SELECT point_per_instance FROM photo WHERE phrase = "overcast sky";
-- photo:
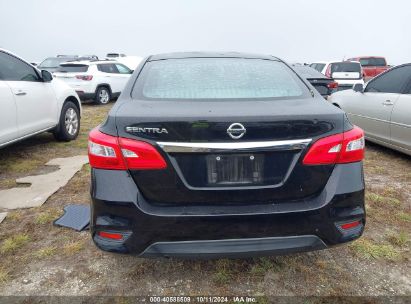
(295, 30)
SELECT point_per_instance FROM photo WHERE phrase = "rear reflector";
(110, 235)
(117, 153)
(347, 147)
(351, 225)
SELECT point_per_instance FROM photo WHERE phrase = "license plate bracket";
(232, 169)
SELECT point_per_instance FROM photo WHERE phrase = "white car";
(33, 102)
(382, 109)
(99, 80)
(345, 73)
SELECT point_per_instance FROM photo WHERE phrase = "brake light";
(117, 153)
(328, 71)
(85, 77)
(347, 147)
(333, 85)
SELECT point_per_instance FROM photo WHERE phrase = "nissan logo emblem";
(236, 130)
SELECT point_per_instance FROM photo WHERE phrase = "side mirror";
(358, 87)
(131, 71)
(46, 76)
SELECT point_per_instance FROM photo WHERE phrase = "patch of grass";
(47, 216)
(262, 266)
(13, 243)
(45, 252)
(398, 239)
(369, 249)
(382, 200)
(4, 275)
(14, 216)
(7, 183)
(19, 164)
(222, 275)
(73, 247)
(403, 216)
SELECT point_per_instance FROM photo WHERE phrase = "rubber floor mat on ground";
(76, 217)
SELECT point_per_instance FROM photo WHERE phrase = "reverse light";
(347, 147)
(85, 77)
(117, 153)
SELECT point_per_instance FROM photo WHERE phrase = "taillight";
(328, 71)
(333, 85)
(117, 153)
(347, 147)
(85, 77)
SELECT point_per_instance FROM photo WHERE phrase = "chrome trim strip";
(189, 147)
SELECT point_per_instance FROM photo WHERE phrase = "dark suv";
(224, 155)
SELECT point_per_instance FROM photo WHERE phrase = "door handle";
(20, 93)
(388, 103)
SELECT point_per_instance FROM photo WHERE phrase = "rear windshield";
(217, 78)
(345, 67)
(54, 62)
(68, 68)
(373, 62)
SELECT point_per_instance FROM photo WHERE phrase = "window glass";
(107, 68)
(347, 67)
(13, 69)
(54, 62)
(122, 69)
(392, 81)
(320, 67)
(217, 78)
(373, 62)
(73, 68)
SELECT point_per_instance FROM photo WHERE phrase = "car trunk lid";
(207, 165)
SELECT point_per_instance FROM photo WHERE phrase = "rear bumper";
(225, 231)
(85, 96)
(235, 248)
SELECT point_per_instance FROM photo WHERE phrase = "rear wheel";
(69, 124)
(103, 96)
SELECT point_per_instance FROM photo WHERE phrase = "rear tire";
(69, 124)
(103, 96)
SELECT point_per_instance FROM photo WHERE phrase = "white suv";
(345, 73)
(33, 102)
(97, 80)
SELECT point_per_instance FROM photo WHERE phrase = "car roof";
(89, 62)
(362, 57)
(182, 55)
(334, 61)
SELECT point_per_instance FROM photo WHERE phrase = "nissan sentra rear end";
(224, 155)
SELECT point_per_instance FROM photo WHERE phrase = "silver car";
(382, 108)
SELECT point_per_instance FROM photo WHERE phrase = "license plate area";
(235, 169)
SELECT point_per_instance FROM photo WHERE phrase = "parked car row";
(345, 73)
(351, 71)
